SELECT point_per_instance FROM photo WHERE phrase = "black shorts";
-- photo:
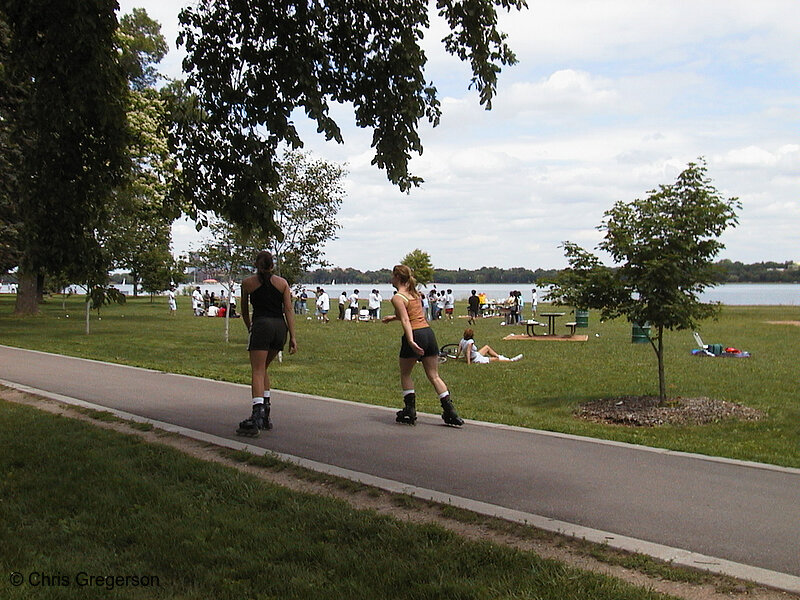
(425, 339)
(268, 333)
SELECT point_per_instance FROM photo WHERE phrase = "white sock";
(444, 394)
(258, 401)
(517, 357)
(407, 392)
(266, 397)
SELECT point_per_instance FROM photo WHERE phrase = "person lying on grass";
(467, 348)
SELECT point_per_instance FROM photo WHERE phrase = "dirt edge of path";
(575, 553)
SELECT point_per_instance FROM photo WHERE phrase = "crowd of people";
(436, 304)
(351, 306)
(208, 304)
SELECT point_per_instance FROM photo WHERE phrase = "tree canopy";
(252, 63)
(143, 46)
(663, 248)
(420, 264)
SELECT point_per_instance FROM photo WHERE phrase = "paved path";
(736, 515)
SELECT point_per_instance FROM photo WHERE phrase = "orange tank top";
(416, 314)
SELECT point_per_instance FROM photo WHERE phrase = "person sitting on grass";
(466, 348)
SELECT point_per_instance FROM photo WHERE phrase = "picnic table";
(551, 321)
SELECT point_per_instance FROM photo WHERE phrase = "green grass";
(78, 499)
(358, 361)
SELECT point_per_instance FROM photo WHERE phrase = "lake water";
(761, 294)
(731, 293)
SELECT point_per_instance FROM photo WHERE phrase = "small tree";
(99, 295)
(158, 270)
(420, 263)
(229, 254)
(664, 246)
(308, 197)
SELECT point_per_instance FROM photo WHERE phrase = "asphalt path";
(745, 513)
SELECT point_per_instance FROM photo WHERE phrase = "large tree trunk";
(27, 294)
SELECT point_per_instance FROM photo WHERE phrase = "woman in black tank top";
(272, 321)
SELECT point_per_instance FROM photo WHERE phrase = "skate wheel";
(252, 434)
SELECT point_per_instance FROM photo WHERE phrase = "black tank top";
(267, 301)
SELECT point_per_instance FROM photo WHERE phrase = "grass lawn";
(81, 504)
(358, 361)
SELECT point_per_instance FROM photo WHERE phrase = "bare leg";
(431, 366)
(406, 366)
(488, 351)
(259, 378)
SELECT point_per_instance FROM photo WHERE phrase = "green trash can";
(640, 334)
(582, 318)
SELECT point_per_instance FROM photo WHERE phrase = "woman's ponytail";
(264, 266)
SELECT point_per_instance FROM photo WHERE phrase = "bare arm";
(401, 314)
(246, 304)
(288, 313)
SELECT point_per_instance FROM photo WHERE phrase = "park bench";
(572, 327)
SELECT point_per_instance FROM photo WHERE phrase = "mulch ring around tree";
(644, 411)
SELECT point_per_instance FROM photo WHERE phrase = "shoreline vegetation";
(728, 272)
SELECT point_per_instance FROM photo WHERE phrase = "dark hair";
(469, 334)
(473, 292)
(264, 265)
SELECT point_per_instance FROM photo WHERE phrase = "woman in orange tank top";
(418, 344)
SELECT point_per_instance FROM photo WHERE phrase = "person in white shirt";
(534, 301)
(173, 306)
(232, 303)
(482, 356)
(323, 305)
(374, 305)
(342, 304)
(354, 305)
(197, 302)
(449, 304)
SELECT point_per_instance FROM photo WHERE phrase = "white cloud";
(565, 91)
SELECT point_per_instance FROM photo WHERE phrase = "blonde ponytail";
(405, 275)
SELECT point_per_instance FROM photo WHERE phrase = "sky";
(609, 100)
